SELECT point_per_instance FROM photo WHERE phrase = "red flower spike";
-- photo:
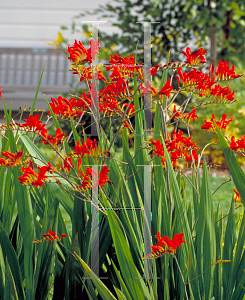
(178, 146)
(125, 67)
(223, 72)
(192, 115)
(155, 69)
(195, 58)
(30, 177)
(170, 245)
(14, 159)
(33, 123)
(97, 180)
(237, 144)
(90, 147)
(103, 178)
(51, 236)
(222, 124)
(222, 94)
(59, 136)
(67, 164)
(80, 55)
(166, 90)
(0, 92)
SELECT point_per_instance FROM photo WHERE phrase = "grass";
(221, 198)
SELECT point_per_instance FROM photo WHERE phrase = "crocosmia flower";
(237, 196)
(51, 236)
(80, 55)
(165, 245)
(195, 57)
(222, 124)
(166, 90)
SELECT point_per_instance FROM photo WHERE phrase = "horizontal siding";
(32, 16)
(23, 67)
(75, 5)
(33, 23)
(20, 71)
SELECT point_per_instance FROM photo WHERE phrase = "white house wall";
(29, 24)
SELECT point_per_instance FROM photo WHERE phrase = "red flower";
(224, 93)
(50, 236)
(3, 162)
(223, 72)
(209, 125)
(166, 90)
(127, 126)
(155, 69)
(159, 151)
(33, 123)
(30, 177)
(80, 55)
(131, 108)
(67, 164)
(125, 66)
(86, 183)
(88, 148)
(86, 73)
(72, 107)
(103, 178)
(176, 113)
(54, 141)
(176, 241)
(237, 196)
(0, 92)
(195, 57)
(14, 159)
(83, 149)
(178, 146)
(237, 144)
(192, 115)
(170, 245)
(96, 180)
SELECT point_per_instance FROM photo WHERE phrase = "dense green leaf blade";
(8, 251)
(102, 289)
(234, 167)
(63, 196)
(206, 243)
(10, 289)
(131, 276)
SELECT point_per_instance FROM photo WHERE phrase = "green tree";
(218, 25)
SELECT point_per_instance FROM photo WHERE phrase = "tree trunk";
(213, 46)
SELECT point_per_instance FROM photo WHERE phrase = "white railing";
(20, 70)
